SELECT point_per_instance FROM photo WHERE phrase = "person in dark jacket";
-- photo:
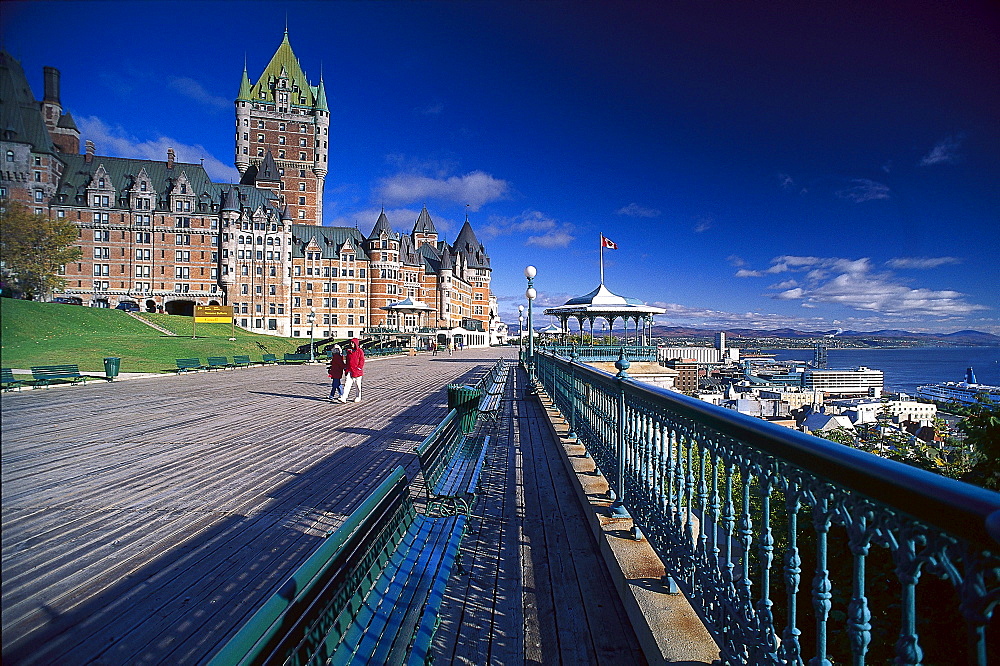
(336, 372)
(355, 369)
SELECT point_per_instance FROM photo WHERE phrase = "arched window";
(10, 155)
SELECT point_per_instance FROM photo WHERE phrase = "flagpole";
(602, 259)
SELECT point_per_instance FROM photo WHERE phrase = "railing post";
(573, 356)
(618, 505)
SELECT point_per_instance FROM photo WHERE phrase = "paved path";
(144, 520)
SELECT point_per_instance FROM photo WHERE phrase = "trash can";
(465, 399)
(111, 365)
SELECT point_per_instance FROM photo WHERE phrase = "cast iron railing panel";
(793, 549)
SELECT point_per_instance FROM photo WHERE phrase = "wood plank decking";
(144, 520)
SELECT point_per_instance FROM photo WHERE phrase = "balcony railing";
(604, 352)
(793, 549)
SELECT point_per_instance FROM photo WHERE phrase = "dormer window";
(142, 186)
(184, 189)
(100, 183)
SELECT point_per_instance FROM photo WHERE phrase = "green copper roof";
(246, 94)
(329, 239)
(20, 119)
(283, 64)
(321, 97)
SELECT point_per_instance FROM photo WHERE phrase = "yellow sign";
(213, 314)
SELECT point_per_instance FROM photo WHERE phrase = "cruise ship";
(962, 392)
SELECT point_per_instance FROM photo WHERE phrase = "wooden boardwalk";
(144, 520)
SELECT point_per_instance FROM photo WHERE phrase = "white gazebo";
(601, 304)
(413, 313)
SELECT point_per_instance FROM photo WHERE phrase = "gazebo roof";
(601, 302)
(407, 305)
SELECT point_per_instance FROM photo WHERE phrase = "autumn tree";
(33, 250)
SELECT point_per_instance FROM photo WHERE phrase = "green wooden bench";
(8, 381)
(493, 386)
(218, 363)
(370, 594)
(296, 358)
(268, 359)
(186, 364)
(44, 375)
(242, 361)
(451, 463)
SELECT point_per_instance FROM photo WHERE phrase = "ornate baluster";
(765, 618)
(728, 521)
(745, 533)
(689, 493)
(908, 650)
(821, 589)
(678, 479)
(791, 651)
(702, 549)
(858, 616)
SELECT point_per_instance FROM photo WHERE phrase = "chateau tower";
(282, 114)
(385, 270)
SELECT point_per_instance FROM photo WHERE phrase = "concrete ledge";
(668, 629)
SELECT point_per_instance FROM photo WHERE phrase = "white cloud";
(117, 142)
(194, 90)
(944, 151)
(635, 210)
(746, 272)
(864, 189)
(855, 284)
(536, 227)
(475, 189)
(703, 223)
(921, 262)
(785, 181)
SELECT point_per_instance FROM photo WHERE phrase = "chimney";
(170, 158)
(90, 152)
(51, 78)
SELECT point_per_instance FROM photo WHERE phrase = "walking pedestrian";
(336, 372)
(355, 368)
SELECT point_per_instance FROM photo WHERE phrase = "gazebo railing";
(792, 548)
(646, 353)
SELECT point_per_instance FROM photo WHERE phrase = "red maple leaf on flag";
(608, 243)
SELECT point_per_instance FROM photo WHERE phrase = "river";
(906, 369)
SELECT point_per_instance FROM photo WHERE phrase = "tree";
(982, 432)
(33, 250)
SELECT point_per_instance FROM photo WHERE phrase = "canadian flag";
(608, 243)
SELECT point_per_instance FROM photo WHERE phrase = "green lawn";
(51, 333)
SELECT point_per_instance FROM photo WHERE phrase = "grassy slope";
(51, 333)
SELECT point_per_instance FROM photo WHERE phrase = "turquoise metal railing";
(605, 352)
(793, 549)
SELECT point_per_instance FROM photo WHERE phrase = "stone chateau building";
(162, 234)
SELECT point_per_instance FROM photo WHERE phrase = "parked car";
(67, 301)
(127, 306)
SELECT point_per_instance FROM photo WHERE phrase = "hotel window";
(260, 138)
(102, 253)
(302, 201)
(281, 140)
(102, 269)
(302, 155)
(38, 196)
(102, 235)
(302, 187)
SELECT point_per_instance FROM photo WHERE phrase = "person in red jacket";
(336, 372)
(355, 366)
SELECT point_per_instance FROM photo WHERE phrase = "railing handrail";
(958, 508)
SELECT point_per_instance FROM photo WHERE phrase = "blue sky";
(815, 165)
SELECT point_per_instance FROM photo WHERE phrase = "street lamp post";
(311, 317)
(530, 294)
(520, 331)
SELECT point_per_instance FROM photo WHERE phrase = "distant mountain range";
(977, 338)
